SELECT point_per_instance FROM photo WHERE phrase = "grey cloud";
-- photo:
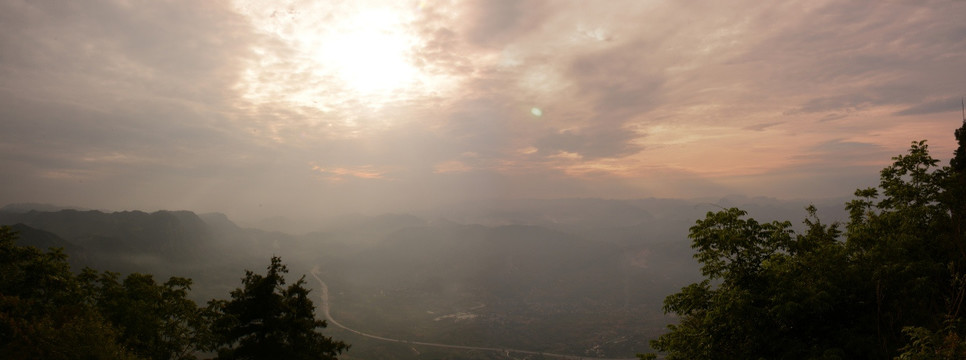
(482, 126)
(831, 167)
(833, 117)
(909, 95)
(845, 153)
(130, 92)
(896, 93)
(592, 143)
(493, 23)
(51, 137)
(762, 126)
(145, 98)
(624, 86)
(170, 49)
(839, 145)
(835, 166)
(440, 54)
(931, 107)
(619, 83)
(860, 54)
(623, 80)
(847, 103)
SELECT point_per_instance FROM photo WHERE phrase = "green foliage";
(767, 291)
(925, 344)
(47, 312)
(42, 311)
(875, 294)
(958, 163)
(955, 196)
(949, 341)
(155, 321)
(265, 320)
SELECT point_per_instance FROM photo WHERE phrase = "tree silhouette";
(43, 310)
(265, 320)
(891, 285)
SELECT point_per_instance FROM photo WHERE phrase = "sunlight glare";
(338, 58)
(368, 52)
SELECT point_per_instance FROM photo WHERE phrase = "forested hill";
(518, 281)
(172, 235)
(208, 248)
(577, 276)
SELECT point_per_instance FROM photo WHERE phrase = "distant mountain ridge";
(171, 234)
(558, 275)
(26, 207)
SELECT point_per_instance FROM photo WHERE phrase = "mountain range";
(579, 276)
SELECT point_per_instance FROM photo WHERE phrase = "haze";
(267, 108)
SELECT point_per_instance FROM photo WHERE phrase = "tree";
(265, 320)
(948, 341)
(894, 285)
(43, 313)
(956, 193)
(47, 312)
(764, 297)
(155, 321)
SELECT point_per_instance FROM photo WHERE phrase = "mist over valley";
(584, 277)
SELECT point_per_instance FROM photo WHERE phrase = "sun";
(368, 52)
(327, 54)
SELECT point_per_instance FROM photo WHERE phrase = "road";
(505, 351)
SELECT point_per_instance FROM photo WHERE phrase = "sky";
(264, 108)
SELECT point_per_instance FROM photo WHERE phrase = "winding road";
(505, 351)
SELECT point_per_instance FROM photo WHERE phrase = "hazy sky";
(256, 108)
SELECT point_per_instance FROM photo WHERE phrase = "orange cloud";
(453, 166)
(340, 174)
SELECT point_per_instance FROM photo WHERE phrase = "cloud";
(599, 142)
(932, 107)
(339, 174)
(842, 103)
(859, 55)
(857, 152)
(107, 47)
(494, 23)
(762, 126)
(452, 166)
(201, 102)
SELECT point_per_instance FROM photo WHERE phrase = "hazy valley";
(584, 277)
